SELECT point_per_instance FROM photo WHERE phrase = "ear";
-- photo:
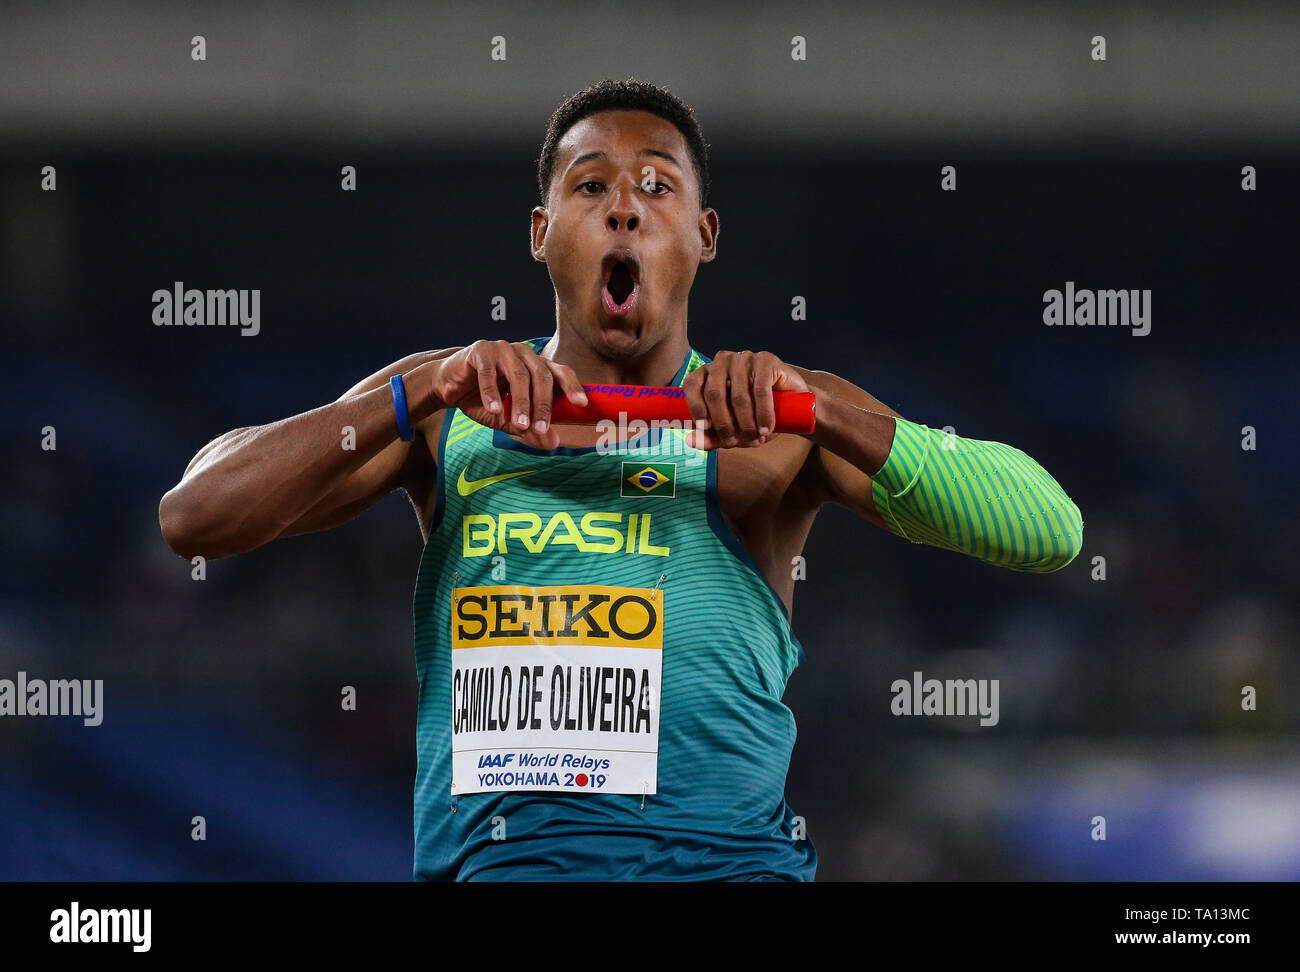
(708, 235)
(541, 220)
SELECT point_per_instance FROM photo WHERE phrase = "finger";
(569, 383)
(520, 380)
(543, 384)
(703, 439)
(765, 375)
(485, 366)
(547, 440)
(720, 418)
(693, 388)
(740, 374)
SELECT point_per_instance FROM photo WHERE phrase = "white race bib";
(556, 688)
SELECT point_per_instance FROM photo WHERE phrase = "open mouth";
(621, 273)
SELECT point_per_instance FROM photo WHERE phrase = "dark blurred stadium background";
(1119, 697)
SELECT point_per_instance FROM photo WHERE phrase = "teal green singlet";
(601, 667)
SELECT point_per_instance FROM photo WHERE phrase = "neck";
(655, 365)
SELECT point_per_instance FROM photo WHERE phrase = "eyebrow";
(593, 156)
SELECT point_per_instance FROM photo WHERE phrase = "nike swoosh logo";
(465, 486)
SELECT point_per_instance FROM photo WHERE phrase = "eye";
(591, 182)
(661, 186)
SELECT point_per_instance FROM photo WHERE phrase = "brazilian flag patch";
(649, 479)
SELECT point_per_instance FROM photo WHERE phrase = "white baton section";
(560, 711)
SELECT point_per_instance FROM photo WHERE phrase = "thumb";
(787, 379)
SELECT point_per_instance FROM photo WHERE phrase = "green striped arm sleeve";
(984, 499)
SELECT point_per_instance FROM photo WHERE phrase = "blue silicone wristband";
(404, 430)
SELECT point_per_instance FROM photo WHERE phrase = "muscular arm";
(984, 499)
(252, 485)
(854, 432)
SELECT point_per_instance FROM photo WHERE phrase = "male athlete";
(602, 636)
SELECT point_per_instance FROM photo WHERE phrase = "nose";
(623, 212)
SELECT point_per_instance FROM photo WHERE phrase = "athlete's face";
(622, 233)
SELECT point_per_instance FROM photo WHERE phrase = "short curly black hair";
(627, 95)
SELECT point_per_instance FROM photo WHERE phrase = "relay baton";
(795, 410)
